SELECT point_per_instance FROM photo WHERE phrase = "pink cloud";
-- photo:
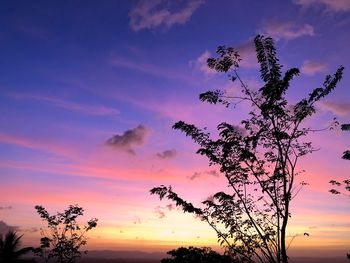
(333, 5)
(149, 14)
(176, 108)
(39, 144)
(31, 194)
(312, 67)
(248, 55)
(246, 51)
(286, 30)
(159, 211)
(341, 108)
(98, 170)
(201, 65)
(98, 110)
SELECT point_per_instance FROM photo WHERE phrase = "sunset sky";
(91, 89)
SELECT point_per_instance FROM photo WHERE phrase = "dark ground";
(295, 260)
(109, 256)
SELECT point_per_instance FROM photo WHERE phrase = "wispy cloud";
(34, 31)
(86, 169)
(150, 14)
(310, 67)
(341, 108)
(200, 174)
(167, 154)
(96, 110)
(332, 5)
(29, 230)
(286, 30)
(6, 207)
(151, 69)
(129, 139)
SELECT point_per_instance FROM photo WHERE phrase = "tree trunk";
(283, 234)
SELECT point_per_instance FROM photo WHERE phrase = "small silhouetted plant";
(258, 157)
(10, 250)
(64, 237)
(196, 255)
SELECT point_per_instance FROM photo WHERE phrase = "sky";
(90, 91)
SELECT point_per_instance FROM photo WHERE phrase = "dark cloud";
(168, 154)
(130, 138)
(337, 107)
(4, 228)
(5, 207)
(200, 174)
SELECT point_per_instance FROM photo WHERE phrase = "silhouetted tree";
(10, 250)
(196, 255)
(258, 158)
(64, 237)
